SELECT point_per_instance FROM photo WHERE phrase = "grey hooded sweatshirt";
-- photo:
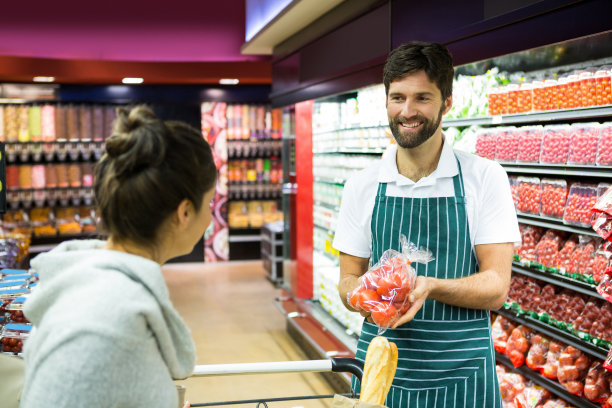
(106, 333)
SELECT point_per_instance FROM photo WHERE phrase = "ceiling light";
(43, 79)
(229, 81)
(132, 80)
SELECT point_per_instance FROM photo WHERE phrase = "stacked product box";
(15, 286)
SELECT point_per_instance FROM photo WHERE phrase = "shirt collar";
(447, 167)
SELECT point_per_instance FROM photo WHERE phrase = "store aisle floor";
(229, 308)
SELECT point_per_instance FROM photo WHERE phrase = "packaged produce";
(518, 345)
(598, 382)
(604, 150)
(485, 143)
(588, 89)
(581, 260)
(552, 359)
(555, 144)
(500, 332)
(510, 384)
(529, 195)
(512, 98)
(601, 263)
(506, 145)
(605, 286)
(551, 95)
(533, 396)
(547, 249)
(15, 310)
(498, 100)
(383, 290)
(581, 198)
(584, 322)
(602, 327)
(513, 180)
(603, 94)
(584, 140)
(530, 236)
(13, 336)
(536, 358)
(562, 262)
(573, 90)
(573, 368)
(525, 98)
(529, 144)
(554, 196)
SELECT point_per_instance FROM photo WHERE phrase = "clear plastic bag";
(581, 198)
(383, 290)
(554, 197)
(584, 140)
(529, 195)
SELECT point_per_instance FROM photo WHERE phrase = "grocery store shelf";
(327, 132)
(328, 206)
(352, 150)
(558, 169)
(547, 222)
(553, 386)
(323, 228)
(558, 280)
(564, 114)
(330, 180)
(557, 334)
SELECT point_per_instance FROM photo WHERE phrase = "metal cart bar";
(337, 365)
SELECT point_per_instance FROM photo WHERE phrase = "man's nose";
(408, 109)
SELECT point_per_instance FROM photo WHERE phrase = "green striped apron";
(446, 356)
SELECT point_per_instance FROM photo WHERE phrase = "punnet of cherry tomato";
(384, 289)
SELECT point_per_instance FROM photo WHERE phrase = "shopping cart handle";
(347, 365)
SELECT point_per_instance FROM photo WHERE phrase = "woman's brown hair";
(149, 168)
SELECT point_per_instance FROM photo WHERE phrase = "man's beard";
(412, 140)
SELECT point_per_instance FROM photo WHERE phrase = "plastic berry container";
(506, 145)
(554, 197)
(603, 92)
(15, 310)
(555, 144)
(538, 96)
(529, 144)
(581, 198)
(529, 195)
(525, 98)
(584, 140)
(514, 189)
(485, 143)
(588, 89)
(13, 336)
(512, 98)
(551, 95)
(604, 150)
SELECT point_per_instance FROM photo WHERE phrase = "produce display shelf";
(557, 334)
(327, 205)
(547, 222)
(564, 114)
(559, 170)
(327, 132)
(329, 257)
(352, 150)
(324, 228)
(553, 386)
(558, 280)
(339, 181)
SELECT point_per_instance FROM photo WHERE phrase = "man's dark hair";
(433, 58)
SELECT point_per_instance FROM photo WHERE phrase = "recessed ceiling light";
(229, 81)
(43, 79)
(132, 80)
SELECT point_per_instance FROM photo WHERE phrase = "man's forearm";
(347, 284)
(482, 290)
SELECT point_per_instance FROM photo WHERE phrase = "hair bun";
(137, 141)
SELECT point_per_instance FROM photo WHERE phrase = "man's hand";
(417, 297)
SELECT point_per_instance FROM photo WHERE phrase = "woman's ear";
(184, 212)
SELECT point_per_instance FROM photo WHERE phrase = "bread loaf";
(378, 371)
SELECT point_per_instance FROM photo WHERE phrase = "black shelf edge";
(552, 386)
(558, 170)
(558, 280)
(553, 223)
(557, 334)
(565, 114)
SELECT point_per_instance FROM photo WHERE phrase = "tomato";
(368, 299)
(384, 314)
(354, 298)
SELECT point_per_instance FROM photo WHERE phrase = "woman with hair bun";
(106, 333)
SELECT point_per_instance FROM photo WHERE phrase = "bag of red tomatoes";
(384, 289)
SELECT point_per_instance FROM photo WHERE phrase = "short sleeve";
(351, 236)
(497, 222)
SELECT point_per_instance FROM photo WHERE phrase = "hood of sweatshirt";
(77, 268)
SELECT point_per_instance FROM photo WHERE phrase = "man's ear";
(448, 104)
(183, 213)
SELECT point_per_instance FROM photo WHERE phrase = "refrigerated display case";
(289, 196)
